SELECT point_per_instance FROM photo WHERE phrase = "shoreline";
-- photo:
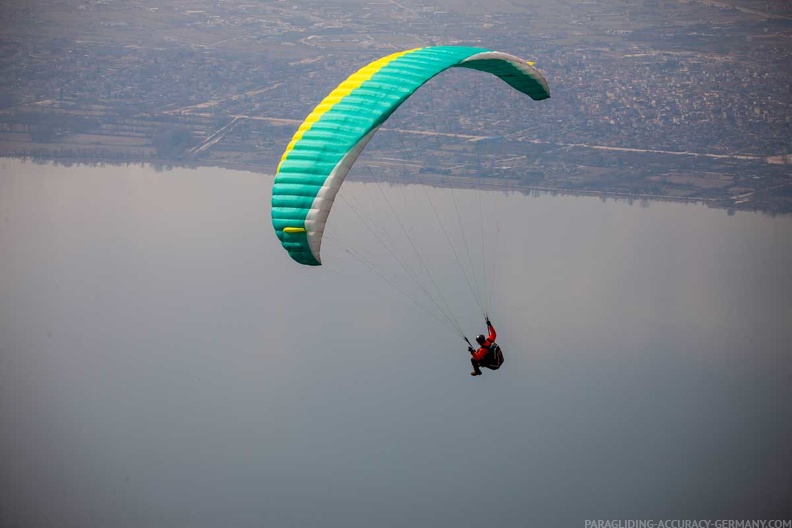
(436, 181)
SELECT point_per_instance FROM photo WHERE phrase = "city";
(650, 99)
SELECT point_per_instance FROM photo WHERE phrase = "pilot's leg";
(476, 369)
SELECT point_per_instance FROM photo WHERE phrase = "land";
(651, 99)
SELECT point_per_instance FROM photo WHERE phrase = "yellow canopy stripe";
(342, 90)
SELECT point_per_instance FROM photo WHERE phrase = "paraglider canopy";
(328, 142)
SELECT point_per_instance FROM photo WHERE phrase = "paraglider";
(327, 143)
(489, 353)
(330, 139)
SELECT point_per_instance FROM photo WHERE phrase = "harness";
(495, 356)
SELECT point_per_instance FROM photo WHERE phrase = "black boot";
(476, 370)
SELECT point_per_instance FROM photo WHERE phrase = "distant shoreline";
(444, 181)
(524, 166)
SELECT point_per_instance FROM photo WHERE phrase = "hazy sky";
(163, 363)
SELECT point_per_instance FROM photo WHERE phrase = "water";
(163, 362)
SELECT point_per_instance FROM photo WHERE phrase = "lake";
(164, 363)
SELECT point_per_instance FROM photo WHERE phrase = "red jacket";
(479, 354)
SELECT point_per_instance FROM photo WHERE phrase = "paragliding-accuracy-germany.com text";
(677, 523)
